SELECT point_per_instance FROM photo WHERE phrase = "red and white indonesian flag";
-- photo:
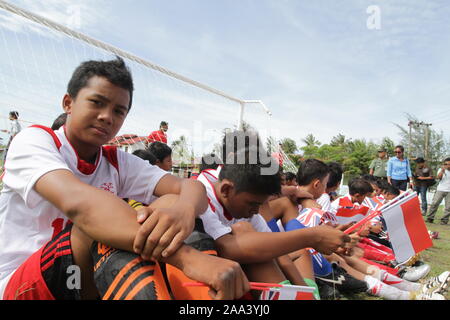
(407, 231)
(288, 292)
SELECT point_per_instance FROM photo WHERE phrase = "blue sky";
(315, 64)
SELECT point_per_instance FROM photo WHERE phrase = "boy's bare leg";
(304, 264)
(350, 270)
(81, 251)
(264, 272)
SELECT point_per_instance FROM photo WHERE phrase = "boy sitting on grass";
(61, 207)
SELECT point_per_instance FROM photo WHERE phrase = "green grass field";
(438, 256)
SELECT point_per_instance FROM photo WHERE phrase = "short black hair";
(359, 185)
(370, 178)
(392, 190)
(160, 150)
(210, 161)
(247, 177)
(383, 184)
(145, 155)
(289, 176)
(115, 71)
(311, 169)
(335, 174)
(419, 160)
(446, 159)
(163, 123)
(59, 121)
(14, 114)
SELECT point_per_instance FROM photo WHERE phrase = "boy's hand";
(162, 231)
(225, 278)
(329, 239)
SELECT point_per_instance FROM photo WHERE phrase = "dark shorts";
(48, 274)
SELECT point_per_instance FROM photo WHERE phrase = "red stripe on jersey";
(110, 152)
(51, 132)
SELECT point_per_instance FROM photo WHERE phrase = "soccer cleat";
(344, 282)
(437, 284)
(327, 291)
(414, 274)
(429, 296)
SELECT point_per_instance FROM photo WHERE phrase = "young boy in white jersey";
(61, 207)
(236, 192)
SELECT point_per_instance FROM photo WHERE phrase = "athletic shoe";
(433, 234)
(414, 274)
(327, 291)
(344, 282)
(437, 284)
(429, 296)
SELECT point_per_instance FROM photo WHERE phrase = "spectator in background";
(159, 135)
(442, 191)
(59, 121)
(14, 129)
(163, 154)
(378, 166)
(145, 154)
(422, 178)
(399, 170)
(291, 179)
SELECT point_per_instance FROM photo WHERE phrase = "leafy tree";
(289, 146)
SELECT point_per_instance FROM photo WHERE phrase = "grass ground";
(438, 256)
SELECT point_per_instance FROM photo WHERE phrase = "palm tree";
(311, 141)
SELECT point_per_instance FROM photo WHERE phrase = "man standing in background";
(159, 135)
(14, 129)
(378, 166)
(422, 178)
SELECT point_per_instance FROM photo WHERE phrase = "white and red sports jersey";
(346, 211)
(27, 220)
(217, 221)
(328, 215)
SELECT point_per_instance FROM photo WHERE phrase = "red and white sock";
(380, 289)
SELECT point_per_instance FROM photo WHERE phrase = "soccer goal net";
(38, 56)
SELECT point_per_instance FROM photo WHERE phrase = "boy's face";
(292, 182)
(242, 204)
(97, 113)
(376, 190)
(389, 196)
(359, 197)
(166, 164)
(318, 187)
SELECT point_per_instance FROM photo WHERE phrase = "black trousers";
(400, 184)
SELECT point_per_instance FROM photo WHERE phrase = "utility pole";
(410, 123)
(427, 137)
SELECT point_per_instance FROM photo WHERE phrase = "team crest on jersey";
(108, 186)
